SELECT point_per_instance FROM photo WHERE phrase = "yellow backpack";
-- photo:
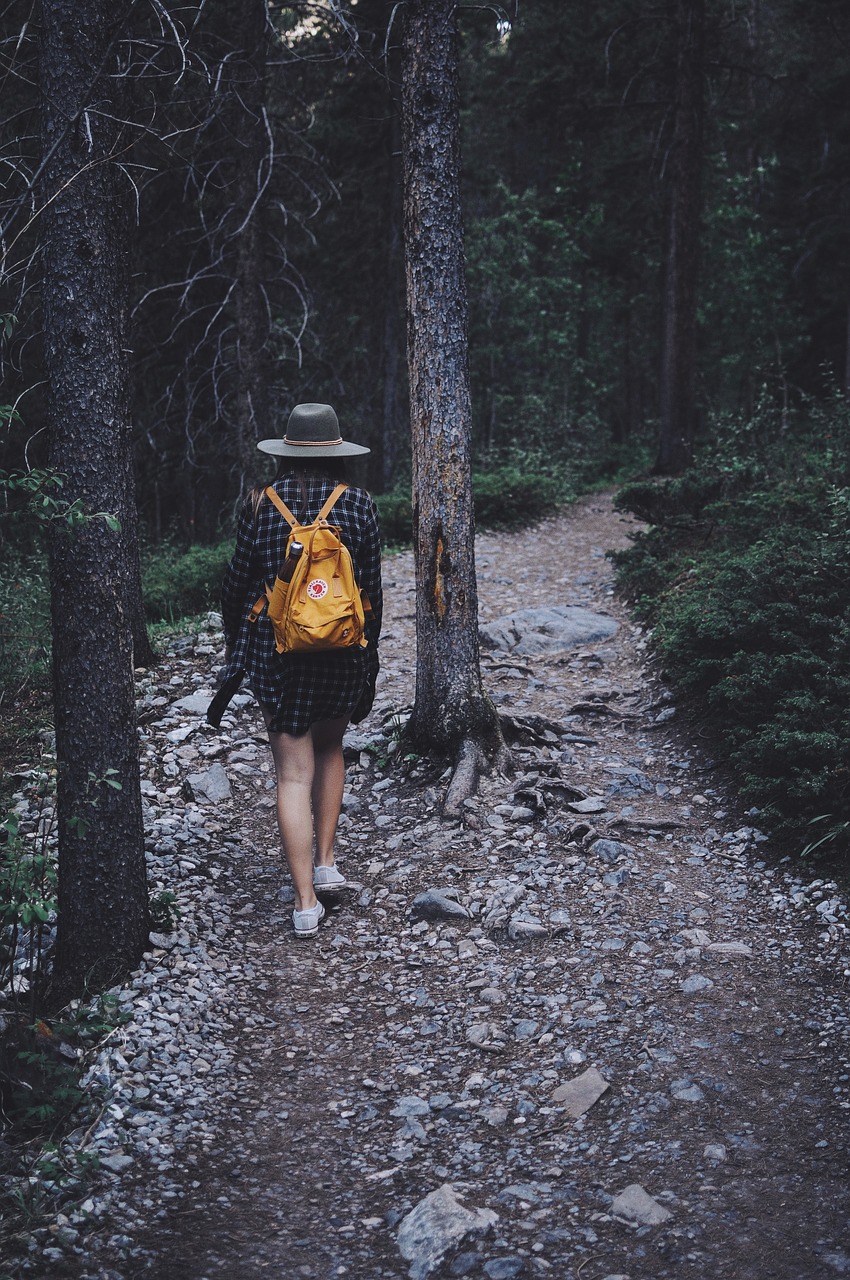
(315, 602)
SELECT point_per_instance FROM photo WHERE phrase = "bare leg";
(294, 768)
(328, 784)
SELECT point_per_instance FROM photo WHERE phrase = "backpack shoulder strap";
(326, 509)
(273, 497)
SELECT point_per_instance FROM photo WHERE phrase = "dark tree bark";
(250, 142)
(451, 714)
(393, 329)
(103, 914)
(684, 178)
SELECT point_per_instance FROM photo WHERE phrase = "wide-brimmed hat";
(312, 432)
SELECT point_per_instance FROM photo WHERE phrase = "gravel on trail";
(593, 1031)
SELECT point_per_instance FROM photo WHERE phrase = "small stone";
(519, 929)
(195, 704)
(593, 804)
(686, 1091)
(211, 787)
(503, 1268)
(636, 1206)
(715, 1151)
(435, 904)
(695, 983)
(411, 1106)
(582, 1092)
(729, 949)
(486, 1035)
(117, 1163)
(436, 1224)
(610, 851)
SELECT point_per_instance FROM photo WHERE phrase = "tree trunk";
(103, 914)
(249, 139)
(393, 330)
(679, 317)
(451, 714)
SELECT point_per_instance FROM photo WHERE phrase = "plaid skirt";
(306, 687)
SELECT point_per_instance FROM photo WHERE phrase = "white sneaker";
(307, 922)
(328, 878)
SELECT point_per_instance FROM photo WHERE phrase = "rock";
(486, 1035)
(519, 929)
(695, 983)
(411, 1106)
(162, 941)
(209, 787)
(435, 904)
(696, 937)
(582, 1092)
(715, 1151)
(610, 851)
(637, 1207)
(547, 630)
(117, 1163)
(434, 1226)
(593, 804)
(686, 1091)
(729, 949)
(195, 704)
(503, 1268)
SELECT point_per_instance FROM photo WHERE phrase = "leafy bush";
(512, 493)
(24, 623)
(179, 583)
(743, 573)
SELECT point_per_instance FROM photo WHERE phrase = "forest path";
(388, 1057)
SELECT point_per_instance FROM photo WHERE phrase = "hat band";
(312, 444)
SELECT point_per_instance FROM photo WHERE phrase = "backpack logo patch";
(317, 589)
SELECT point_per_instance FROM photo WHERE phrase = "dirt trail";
(390, 1056)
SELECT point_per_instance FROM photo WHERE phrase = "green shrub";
(507, 496)
(179, 583)
(395, 515)
(24, 623)
(743, 574)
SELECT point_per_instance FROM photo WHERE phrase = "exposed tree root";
(471, 761)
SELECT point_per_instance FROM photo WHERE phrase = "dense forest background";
(658, 267)
(267, 253)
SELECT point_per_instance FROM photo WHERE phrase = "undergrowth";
(742, 573)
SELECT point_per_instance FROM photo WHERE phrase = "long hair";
(334, 470)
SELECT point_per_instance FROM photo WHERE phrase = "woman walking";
(307, 698)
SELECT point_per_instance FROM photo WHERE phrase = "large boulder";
(534, 631)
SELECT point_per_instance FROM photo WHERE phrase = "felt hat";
(312, 432)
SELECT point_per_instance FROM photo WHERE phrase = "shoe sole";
(329, 888)
(308, 933)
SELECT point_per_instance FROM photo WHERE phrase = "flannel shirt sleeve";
(240, 576)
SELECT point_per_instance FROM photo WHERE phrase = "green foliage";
(164, 911)
(177, 583)
(28, 886)
(24, 623)
(395, 516)
(743, 573)
(519, 492)
(517, 489)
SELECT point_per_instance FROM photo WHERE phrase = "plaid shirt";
(304, 687)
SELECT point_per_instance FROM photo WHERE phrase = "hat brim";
(344, 450)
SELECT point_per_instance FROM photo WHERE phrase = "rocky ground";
(593, 1031)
